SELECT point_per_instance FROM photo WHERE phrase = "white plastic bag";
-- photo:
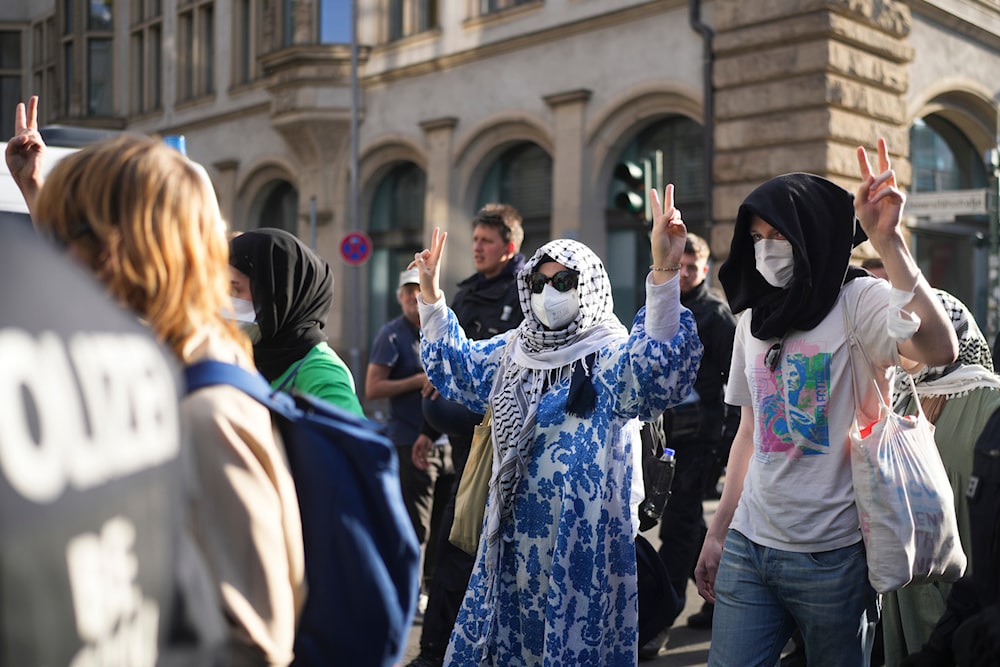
(905, 502)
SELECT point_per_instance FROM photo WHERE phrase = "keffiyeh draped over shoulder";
(539, 357)
(971, 370)
(817, 217)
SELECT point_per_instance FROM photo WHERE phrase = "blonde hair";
(140, 215)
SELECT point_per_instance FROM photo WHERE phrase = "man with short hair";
(699, 430)
(486, 304)
(395, 372)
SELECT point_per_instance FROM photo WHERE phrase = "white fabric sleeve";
(901, 324)
(433, 318)
(663, 308)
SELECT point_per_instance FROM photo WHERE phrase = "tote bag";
(470, 499)
(904, 498)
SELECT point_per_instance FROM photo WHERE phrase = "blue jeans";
(763, 594)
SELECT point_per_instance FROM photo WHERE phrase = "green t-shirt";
(323, 374)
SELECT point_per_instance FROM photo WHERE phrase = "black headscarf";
(292, 293)
(817, 216)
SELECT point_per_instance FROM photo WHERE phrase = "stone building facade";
(533, 102)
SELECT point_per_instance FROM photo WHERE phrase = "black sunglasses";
(563, 281)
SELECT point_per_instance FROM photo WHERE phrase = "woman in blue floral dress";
(555, 575)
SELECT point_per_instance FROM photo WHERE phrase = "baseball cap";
(409, 277)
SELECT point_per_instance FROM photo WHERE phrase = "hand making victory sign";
(428, 262)
(879, 202)
(878, 205)
(667, 237)
(26, 151)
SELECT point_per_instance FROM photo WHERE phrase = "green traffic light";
(634, 177)
(629, 201)
(629, 173)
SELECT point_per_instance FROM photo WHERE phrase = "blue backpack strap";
(209, 372)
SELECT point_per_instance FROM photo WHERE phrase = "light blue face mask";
(775, 261)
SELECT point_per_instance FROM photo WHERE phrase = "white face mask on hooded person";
(775, 261)
(245, 314)
(555, 309)
(243, 310)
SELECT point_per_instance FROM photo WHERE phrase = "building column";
(440, 209)
(568, 109)
(225, 187)
(800, 84)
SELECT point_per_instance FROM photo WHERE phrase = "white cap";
(409, 277)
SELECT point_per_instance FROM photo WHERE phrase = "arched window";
(276, 205)
(679, 140)
(943, 158)
(396, 228)
(522, 177)
(950, 246)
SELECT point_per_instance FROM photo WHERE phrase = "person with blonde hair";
(140, 216)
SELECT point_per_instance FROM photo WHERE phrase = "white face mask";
(775, 261)
(243, 311)
(555, 309)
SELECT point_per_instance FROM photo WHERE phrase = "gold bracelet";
(654, 267)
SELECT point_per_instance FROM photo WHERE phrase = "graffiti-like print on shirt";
(793, 415)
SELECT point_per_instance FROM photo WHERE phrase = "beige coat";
(246, 514)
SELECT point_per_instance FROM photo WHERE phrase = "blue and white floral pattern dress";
(558, 588)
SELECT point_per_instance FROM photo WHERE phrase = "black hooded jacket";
(817, 217)
(292, 290)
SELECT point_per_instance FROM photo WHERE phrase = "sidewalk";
(686, 648)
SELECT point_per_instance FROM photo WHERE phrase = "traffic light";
(635, 176)
(638, 178)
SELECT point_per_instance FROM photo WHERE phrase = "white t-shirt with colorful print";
(798, 495)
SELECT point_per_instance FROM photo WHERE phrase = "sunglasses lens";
(564, 281)
(536, 282)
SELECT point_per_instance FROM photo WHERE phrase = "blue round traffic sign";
(356, 248)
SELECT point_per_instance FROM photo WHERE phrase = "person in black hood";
(486, 304)
(283, 293)
(793, 549)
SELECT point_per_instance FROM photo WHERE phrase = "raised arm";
(879, 207)
(26, 151)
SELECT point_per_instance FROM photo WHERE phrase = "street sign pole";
(993, 298)
(355, 223)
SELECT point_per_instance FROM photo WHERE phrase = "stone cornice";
(524, 40)
(445, 123)
(968, 23)
(568, 97)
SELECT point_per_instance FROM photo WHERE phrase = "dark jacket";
(486, 307)
(705, 420)
(716, 329)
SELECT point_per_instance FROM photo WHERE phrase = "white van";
(12, 206)
(60, 141)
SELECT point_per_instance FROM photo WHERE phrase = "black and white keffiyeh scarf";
(971, 370)
(538, 358)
